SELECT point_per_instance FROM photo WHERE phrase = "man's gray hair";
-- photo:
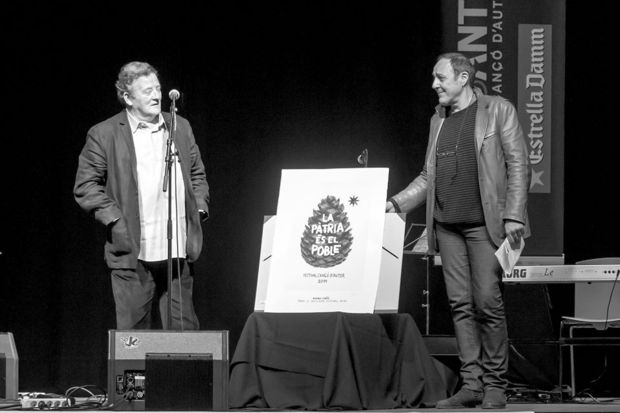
(128, 74)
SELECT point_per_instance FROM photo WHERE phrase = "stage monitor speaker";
(9, 367)
(177, 382)
(168, 370)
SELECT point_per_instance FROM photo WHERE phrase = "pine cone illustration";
(327, 238)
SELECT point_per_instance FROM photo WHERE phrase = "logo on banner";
(327, 238)
(535, 100)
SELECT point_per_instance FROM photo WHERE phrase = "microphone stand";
(168, 187)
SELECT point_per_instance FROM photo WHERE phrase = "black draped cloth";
(332, 361)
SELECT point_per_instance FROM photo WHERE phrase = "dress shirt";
(150, 144)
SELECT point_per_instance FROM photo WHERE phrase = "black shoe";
(494, 399)
(463, 398)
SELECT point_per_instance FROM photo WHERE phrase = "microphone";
(174, 94)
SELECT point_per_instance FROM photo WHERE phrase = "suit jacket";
(106, 185)
(503, 170)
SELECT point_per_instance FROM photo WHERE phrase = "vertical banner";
(518, 48)
(535, 100)
(327, 244)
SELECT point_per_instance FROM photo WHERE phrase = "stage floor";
(511, 407)
(612, 406)
(515, 407)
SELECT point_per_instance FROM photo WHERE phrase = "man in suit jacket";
(120, 181)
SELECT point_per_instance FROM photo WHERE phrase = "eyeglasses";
(447, 154)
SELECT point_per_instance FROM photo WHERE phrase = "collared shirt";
(150, 144)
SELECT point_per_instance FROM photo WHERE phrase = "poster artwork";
(327, 242)
(327, 238)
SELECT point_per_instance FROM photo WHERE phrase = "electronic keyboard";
(562, 273)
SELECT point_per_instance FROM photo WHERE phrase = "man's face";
(144, 98)
(447, 85)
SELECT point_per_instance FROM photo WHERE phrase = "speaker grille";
(181, 382)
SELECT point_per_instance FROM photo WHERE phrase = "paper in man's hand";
(507, 256)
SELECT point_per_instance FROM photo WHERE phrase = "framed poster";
(327, 243)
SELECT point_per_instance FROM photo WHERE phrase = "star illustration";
(353, 200)
(536, 179)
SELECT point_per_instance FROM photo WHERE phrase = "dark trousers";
(141, 293)
(472, 276)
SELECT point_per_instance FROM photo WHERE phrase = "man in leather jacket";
(119, 181)
(474, 182)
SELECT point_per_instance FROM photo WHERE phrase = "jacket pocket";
(118, 239)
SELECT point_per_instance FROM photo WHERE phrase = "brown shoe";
(463, 398)
(494, 399)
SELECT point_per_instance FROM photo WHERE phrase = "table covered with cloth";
(316, 361)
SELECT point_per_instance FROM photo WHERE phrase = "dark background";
(265, 87)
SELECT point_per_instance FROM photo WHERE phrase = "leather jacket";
(503, 170)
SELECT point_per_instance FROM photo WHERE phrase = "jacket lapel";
(482, 121)
(436, 125)
(127, 139)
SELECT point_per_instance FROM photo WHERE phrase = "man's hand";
(117, 236)
(514, 232)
